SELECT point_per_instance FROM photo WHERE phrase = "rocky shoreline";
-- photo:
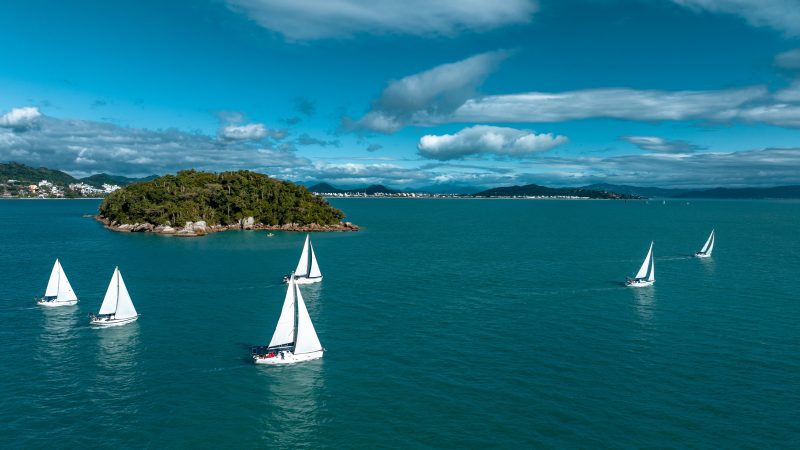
(201, 228)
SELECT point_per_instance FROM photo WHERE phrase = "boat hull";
(302, 280)
(288, 358)
(639, 283)
(55, 303)
(103, 323)
(702, 255)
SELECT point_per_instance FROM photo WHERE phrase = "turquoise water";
(448, 323)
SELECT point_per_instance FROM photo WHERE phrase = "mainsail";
(284, 331)
(302, 265)
(642, 273)
(709, 245)
(652, 276)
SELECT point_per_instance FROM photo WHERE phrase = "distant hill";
(650, 192)
(534, 190)
(325, 188)
(31, 175)
(101, 178)
(754, 193)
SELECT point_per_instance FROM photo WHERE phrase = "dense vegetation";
(217, 198)
(534, 190)
(30, 175)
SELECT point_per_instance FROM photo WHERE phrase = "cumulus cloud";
(487, 140)
(252, 132)
(661, 145)
(434, 92)
(20, 118)
(789, 60)
(374, 147)
(84, 147)
(309, 20)
(782, 15)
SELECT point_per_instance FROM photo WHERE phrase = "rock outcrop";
(201, 228)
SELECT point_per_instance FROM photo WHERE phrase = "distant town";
(47, 189)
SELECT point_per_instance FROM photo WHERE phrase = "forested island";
(193, 203)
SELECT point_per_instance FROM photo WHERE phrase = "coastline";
(201, 228)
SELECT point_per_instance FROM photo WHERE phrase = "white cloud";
(484, 139)
(435, 91)
(309, 19)
(614, 103)
(789, 60)
(782, 15)
(85, 147)
(252, 132)
(661, 145)
(20, 118)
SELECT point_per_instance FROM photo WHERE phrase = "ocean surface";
(447, 324)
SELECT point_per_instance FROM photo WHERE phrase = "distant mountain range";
(534, 190)
(32, 175)
(778, 192)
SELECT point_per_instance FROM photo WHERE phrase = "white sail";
(65, 292)
(711, 246)
(125, 309)
(109, 305)
(314, 272)
(52, 283)
(302, 265)
(284, 331)
(307, 340)
(652, 276)
(642, 273)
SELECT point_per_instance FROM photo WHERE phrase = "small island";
(193, 203)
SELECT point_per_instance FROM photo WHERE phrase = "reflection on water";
(57, 333)
(645, 303)
(292, 404)
(116, 373)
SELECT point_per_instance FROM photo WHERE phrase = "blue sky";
(410, 94)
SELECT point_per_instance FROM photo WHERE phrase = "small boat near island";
(708, 247)
(295, 339)
(117, 308)
(646, 275)
(58, 292)
(307, 270)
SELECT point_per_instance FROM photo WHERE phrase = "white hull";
(639, 283)
(306, 280)
(702, 255)
(54, 303)
(302, 280)
(103, 322)
(288, 358)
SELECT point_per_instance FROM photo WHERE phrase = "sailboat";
(705, 252)
(307, 270)
(58, 292)
(294, 339)
(646, 275)
(117, 307)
